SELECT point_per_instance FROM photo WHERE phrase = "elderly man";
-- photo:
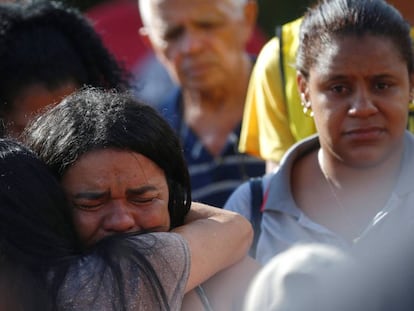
(202, 45)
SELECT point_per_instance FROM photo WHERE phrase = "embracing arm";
(217, 239)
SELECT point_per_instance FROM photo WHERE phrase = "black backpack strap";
(256, 190)
(410, 121)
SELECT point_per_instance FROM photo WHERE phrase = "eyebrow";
(106, 194)
(92, 195)
(141, 190)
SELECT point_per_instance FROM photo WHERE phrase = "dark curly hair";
(51, 44)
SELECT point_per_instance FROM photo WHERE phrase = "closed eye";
(142, 200)
(90, 200)
(206, 25)
(91, 206)
(143, 195)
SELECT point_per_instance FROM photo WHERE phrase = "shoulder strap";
(410, 123)
(256, 190)
(203, 297)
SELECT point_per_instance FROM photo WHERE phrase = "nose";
(120, 218)
(363, 103)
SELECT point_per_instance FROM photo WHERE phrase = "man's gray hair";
(146, 15)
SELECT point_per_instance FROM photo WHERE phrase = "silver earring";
(307, 111)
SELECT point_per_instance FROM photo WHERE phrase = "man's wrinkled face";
(200, 42)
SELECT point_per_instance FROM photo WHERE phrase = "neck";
(228, 94)
(345, 177)
(356, 195)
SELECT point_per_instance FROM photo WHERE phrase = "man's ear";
(250, 19)
(251, 12)
(144, 33)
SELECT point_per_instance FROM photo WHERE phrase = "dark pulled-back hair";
(330, 19)
(94, 119)
(49, 43)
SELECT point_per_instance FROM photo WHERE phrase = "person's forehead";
(103, 166)
(112, 153)
(355, 53)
